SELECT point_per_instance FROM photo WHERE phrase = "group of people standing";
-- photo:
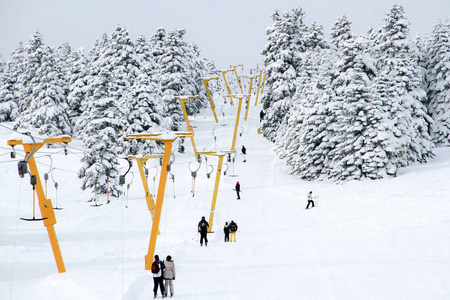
(163, 276)
(230, 230)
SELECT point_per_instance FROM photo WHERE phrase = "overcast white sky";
(227, 32)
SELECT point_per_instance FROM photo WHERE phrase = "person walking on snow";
(226, 230)
(157, 270)
(244, 151)
(233, 228)
(203, 229)
(310, 200)
(169, 275)
(238, 189)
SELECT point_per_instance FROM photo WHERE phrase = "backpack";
(155, 267)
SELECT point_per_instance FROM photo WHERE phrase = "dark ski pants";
(158, 281)
(238, 196)
(203, 237)
(310, 202)
(227, 237)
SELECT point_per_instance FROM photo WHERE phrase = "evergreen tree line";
(359, 106)
(120, 87)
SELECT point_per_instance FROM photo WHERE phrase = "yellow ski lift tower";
(260, 79)
(226, 83)
(148, 196)
(239, 97)
(237, 76)
(183, 100)
(168, 139)
(220, 155)
(45, 205)
(211, 101)
(251, 77)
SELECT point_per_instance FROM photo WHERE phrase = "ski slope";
(386, 239)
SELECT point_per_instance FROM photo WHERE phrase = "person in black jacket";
(233, 228)
(244, 151)
(203, 226)
(226, 230)
(238, 189)
(158, 276)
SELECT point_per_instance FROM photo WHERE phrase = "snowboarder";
(237, 188)
(157, 270)
(244, 151)
(261, 115)
(310, 200)
(203, 226)
(169, 275)
(226, 230)
(233, 228)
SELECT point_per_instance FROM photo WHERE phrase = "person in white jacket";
(169, 275)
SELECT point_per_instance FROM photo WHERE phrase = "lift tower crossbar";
(168, 139)
(45, 205)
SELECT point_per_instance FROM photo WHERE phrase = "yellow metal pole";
(148, 195)
(211, 101)
(183, 100)
(45, 205)
(159, 204)
(259, 86)
(240, 97)
(216, 189)
(251, 77)
(226, 84)
(168, 139)
(237, 76)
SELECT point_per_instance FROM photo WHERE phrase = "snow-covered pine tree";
(9, 87)
(103, 128)
(438, 82)
(284, 44)
(145, 102)
(157, 44)
(306, 139)
(31, 62)
(78, 75)
(176, 76)
(341, 31)
(314, 38)
(9, 110)
(2, 65)
(399, 61)
(46, 108)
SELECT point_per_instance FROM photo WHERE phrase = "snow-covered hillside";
(385, 239)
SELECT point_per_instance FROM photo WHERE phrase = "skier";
(261, 115)
(169, 275)
(203, 229)
(157, 270)
(238, 189)
(310, 200)
(244, 151)
(233, 228)
(226, 230)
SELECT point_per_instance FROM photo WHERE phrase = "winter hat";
(226, 223)
(237, 181)
(169, 257)
(203, 218)
(156, 257)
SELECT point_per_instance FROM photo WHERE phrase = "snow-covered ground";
(385, 239)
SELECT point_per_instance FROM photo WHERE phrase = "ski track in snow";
(383, 239)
